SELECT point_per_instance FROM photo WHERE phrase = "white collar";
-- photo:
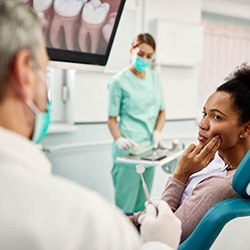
(216, 165)
(22, 152)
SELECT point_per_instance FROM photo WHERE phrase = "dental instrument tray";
(142, 148)
(150, 155)
(145, 151)
(155, 155)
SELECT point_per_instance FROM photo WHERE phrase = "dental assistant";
(136, 114)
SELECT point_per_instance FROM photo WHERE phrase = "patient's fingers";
(197, 150)
(189, 149)
(208, 152)
(211, 146)
(195, 158)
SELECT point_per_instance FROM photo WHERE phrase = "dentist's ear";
(21, 73)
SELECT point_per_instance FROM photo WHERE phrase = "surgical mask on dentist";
(42, 121)
(140, 63)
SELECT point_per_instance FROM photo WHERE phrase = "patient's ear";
(247, 128)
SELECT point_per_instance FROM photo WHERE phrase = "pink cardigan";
(207, 193)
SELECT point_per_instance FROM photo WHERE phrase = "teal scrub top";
(137, 102)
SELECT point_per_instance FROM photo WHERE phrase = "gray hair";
(20, 27)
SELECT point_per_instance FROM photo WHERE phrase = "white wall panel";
(178, 44)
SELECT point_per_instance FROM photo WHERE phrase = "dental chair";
(226, 225)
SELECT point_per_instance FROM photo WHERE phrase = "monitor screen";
(80, 31)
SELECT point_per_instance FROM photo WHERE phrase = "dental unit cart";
(157, 157)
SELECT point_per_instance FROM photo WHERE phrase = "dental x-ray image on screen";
(80, 31)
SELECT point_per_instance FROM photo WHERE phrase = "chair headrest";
(241, 180)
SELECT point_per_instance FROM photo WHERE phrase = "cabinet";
(178, 44)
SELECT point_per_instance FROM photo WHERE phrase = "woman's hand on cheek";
(195, 158)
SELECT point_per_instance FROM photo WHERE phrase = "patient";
(204, 173)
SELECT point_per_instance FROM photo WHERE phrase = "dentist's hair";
(238, 86)
(20, 27)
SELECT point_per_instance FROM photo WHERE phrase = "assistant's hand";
(157, 139)
(125, 143)
(160, 224)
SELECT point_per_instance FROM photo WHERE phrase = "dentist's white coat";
(45, 212)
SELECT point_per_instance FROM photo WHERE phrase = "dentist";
(38, 210)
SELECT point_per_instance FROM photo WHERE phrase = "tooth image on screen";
(65, 23)
(29, 2)
(93, 17)
(46, 6)
(114, 5)
(108, 27)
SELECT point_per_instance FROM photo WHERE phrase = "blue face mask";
(42, 119)
(42, 122)
(140, 63)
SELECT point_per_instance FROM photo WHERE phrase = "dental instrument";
(140, 170)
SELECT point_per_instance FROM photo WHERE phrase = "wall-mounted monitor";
(80, 31)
